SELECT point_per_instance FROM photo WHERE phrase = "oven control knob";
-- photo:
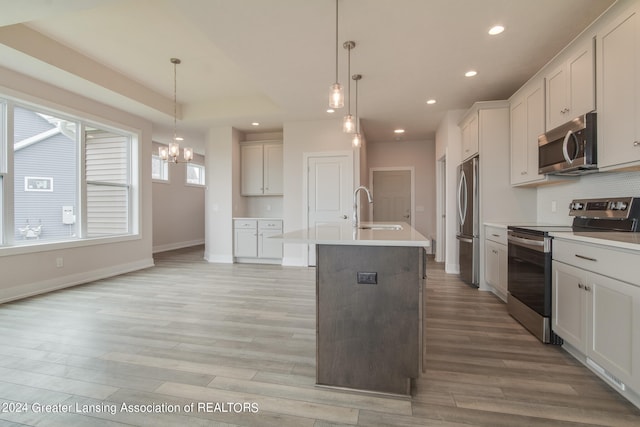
(576, 206)
(621, 206)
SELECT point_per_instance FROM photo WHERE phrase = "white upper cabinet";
(261, 169)
(470, 136)
(618, 53)
(571, 87)
(527, 123)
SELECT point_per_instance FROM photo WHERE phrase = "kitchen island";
(369, 300)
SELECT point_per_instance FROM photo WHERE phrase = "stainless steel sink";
(391, 227)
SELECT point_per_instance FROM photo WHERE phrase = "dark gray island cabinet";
(369, 308)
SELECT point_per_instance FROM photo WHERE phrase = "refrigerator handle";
(462, 186)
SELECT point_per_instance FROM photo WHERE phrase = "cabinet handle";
(587, 288)
(580, 285)
(494, 251)
(523, 173)
(344, 217)
(495, 235)
(585, 257)
(636, 143)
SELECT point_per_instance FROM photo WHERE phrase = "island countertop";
(369, 234)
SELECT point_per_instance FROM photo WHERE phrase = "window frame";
(186, 175)
(165, 168)
(8, 245)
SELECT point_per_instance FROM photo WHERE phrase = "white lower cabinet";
(598, 315)
(495, 259)
(252, 241)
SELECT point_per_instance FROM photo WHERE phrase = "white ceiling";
(272, 61)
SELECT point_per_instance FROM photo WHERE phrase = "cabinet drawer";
(270, 224)
(607, 262)
(496, 234)
(245, 223)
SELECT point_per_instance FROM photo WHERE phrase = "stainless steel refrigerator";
(469, 227)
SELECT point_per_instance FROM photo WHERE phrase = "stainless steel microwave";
(569, 149)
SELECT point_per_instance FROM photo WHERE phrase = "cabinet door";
(581, 83)
(503, 261)
(273, 169)
(246, 243)
(251, 169)
(613, 340)
(269, 248)
(470, 138)
(492, 263)
(519, 153)
(556, 97)
(527, 122)
(619, 91)
(568, 311)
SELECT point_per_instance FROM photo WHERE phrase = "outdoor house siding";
(107, 159)
(53, 157)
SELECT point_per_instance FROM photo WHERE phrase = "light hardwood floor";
(189, 332)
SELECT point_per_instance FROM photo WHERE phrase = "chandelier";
(172, 153)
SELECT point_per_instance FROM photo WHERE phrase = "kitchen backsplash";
(611, 184)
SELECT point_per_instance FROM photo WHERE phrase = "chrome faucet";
(355, 203)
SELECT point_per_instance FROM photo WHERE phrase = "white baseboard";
(177, 245)
(223, 259)
(54, 284)
(294, 262)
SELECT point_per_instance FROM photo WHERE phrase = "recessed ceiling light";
(331, 110)
(431, 101)
(399, 131)
(496, 30)
(470, 73)
(255, 124)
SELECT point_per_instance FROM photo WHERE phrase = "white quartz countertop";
(346, 234)
(616, 239)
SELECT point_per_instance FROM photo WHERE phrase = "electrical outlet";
(59, 262)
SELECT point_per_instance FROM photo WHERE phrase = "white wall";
(178, 209)
(33, 271)
(223, 192)
(421, 156)
(300, 138)
(448, 146)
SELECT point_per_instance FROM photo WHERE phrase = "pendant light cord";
(336, 41)
(175, 102)
(349, 82)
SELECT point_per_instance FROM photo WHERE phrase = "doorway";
(329, 190)
(393, 195)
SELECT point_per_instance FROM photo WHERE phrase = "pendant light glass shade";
(357, 140)
(348, 124)
(336, 97)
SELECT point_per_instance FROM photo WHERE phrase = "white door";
(392, 195)
(330, 182)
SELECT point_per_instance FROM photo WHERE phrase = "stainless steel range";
(529, 261)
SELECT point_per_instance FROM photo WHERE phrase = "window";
(45, 176)
(195, 174)
(71, 179)
(107, 163)
(159, 168)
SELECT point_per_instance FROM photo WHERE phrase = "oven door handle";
(527, 242)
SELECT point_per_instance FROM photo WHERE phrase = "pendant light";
(172, 153)
(336, 91)
(348, 124)
(357, 137)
